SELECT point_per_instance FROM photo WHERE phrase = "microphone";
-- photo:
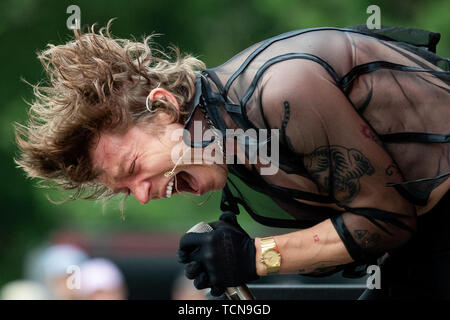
(233, 293)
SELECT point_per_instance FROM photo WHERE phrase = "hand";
(224, 257)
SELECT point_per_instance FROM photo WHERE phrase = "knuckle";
(210, 237)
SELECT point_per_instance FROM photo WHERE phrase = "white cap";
(100, 274)
(54, 261)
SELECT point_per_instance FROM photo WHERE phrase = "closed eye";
(132, 166)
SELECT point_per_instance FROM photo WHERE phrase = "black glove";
(224, 257)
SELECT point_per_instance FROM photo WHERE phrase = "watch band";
(267, 244)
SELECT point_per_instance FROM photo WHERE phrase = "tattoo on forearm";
(319, 268)
(338, 170)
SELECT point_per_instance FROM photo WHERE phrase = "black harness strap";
(230, 203)
(415, 196)
(377, 65)
(355, 251)
(281, 192)
(373, 214)
(280, 58)
(287, 35)
(417, 137)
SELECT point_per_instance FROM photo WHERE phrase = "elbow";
(406, 233)
(368, 239)
(398, 237)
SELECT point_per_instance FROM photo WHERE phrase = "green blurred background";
(212, 30)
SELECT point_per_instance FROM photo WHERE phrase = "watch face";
(272, 258)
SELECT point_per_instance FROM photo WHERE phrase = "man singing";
(363, 153)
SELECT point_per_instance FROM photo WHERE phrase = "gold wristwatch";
(270, 256)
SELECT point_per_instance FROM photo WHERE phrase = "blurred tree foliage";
(212, 30)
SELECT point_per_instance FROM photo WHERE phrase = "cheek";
(154, 166)
(157, 158)
(215, 175)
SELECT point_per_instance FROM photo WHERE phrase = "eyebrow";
(123, 171)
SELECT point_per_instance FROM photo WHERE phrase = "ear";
(161, 93)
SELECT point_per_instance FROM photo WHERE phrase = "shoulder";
(299, 80)
(301, 87)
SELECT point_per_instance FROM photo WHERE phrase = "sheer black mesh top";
(362, 122)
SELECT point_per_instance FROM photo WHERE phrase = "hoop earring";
(147, 104)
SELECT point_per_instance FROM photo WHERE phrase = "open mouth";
(182, 182)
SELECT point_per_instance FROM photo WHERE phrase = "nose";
(142, 192)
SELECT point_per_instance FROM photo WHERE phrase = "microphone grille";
(201, 227)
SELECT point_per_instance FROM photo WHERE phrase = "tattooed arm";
(347, 161)
(312, 251)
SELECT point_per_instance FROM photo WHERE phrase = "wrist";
(260, 268)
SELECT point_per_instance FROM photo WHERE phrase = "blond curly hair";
(96, 83)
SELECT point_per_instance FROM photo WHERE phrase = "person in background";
(101, 279)
(51, 267)
(24, 290)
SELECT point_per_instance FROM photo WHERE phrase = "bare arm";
(308, 251)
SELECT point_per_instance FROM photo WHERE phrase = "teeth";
(169, 188)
